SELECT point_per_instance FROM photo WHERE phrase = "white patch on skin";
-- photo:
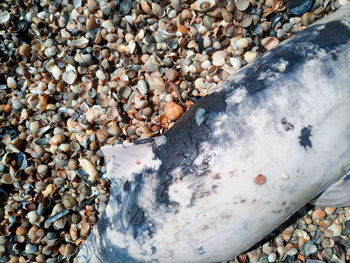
(130, 158)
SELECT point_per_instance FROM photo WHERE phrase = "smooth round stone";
(299, 7)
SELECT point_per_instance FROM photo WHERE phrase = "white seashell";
(56, 72)
(236, 63)
(89, 168)
(4, 17)
(250, 56)
(242, 42)
(79, 43)
(70, 76)
(203, 5)
(11, 83)
(219, 58)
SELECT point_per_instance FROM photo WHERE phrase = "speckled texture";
(211, 199)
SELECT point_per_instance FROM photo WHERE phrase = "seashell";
(79, 43)
(25, 50)
(278, 5)
(64, 147)
(309, 248)
(146, 7)
(270, 42)
(203, 5)
(101, 75)
(4, 17)
(307, 19)
(299, 7)
(113, 129)
(219, 58)
(336, 229)
(61, 160)
(246, 20)
(34, 218)
(112, 113)
(56, 139)
(43, 169)
(250, 56)
(49, 190)
(101, 135)
(6, 179)
(318, 214)
(11, 83)
(66, 250)
(70, 75)
(230, 30)
(226, 15)
(173, 111)
(208, 22)
(31, 249)
(69, 201)
(42, 103)
(125, 7)
(94, 113)
(89, 168)
(156, 83)
(142, 87)
(236, 63)
(21, 230)
(151, 65)
(256, 29)
(108, 24)
(124, 92)
(157, 10)
(242, 43)
(84, 228)
(51, 51)
(140, 104)
(242, 4)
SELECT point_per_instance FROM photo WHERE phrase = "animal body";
(239, 163)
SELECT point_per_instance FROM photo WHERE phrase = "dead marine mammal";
(239, 162)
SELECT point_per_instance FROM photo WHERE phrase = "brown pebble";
(173, 111)
(260, 179)
(318, 214)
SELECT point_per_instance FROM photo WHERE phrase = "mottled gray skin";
(191, 195)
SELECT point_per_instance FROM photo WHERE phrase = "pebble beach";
(76, 75)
